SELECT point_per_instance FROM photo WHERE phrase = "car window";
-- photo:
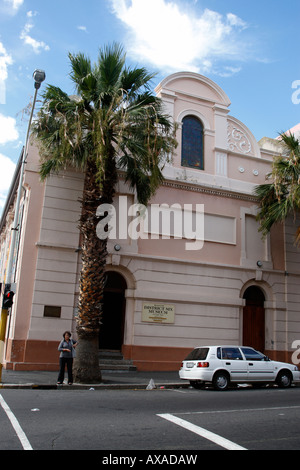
(197, 354)
(252, 355)
(231, 353)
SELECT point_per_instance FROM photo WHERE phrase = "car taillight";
(181, 365)
(203, 364)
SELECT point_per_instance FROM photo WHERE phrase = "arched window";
(192, 154)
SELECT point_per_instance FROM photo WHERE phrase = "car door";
(234, 362)
(260, 369)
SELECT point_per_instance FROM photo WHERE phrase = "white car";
(225, 365)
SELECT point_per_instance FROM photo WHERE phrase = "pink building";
(165, 294)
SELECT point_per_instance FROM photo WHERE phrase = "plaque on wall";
(158, 313)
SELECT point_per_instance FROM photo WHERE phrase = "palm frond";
(290, 141)
(132, 81)
(81, 67)
(280, 198)
(111, 62)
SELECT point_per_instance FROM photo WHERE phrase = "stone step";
(117, 367)
(110, 354)
(114, 361)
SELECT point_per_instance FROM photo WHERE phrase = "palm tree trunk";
(94, 252)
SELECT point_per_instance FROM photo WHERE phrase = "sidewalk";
(110, 380)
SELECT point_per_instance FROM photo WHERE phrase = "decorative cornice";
(213, 191)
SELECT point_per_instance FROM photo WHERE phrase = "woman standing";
(67, 352)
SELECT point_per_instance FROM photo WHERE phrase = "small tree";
(114, 122)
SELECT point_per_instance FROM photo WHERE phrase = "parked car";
(225, 365)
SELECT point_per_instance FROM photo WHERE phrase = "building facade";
(169, 288)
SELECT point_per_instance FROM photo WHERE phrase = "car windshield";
(252, 355)
(197, 354)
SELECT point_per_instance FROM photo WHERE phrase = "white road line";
(241, 410)
(219, 440)
(15, 424)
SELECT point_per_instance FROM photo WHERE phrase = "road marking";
(242, 410)
(15, 424)
(219, 440)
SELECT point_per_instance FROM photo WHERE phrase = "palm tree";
(281, 197)
(113, 123)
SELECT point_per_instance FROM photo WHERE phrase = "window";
(197, 354)
(192, 143)
(231, 353)
(252, 355)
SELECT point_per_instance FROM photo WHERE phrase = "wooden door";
(254, 327)
(254, 319)
(113, 316)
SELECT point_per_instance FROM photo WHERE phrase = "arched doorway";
(254, 318)
(113, 317)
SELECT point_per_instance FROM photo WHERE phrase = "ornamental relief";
(238, 141)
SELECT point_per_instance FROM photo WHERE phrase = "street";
(153, 420)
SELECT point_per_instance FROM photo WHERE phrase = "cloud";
(236, 21)
(228, 71)
(82, 28)
(31, 14)
(15, 4)
(37, 46)
(8, 130)
(6, 174)
(173, 39)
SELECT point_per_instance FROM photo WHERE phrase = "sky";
(250, 48)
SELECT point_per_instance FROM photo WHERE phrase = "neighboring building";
(162, 299)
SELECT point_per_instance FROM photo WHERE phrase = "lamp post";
(38, 76)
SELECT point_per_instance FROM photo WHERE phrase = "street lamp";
(38, 77)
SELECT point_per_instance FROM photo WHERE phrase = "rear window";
(197, 354)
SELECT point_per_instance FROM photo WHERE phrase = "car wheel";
(284, 379)
(221, 381)
(197, 384)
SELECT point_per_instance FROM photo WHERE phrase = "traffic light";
(8, 298)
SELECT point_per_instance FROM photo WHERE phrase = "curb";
(93, 387)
